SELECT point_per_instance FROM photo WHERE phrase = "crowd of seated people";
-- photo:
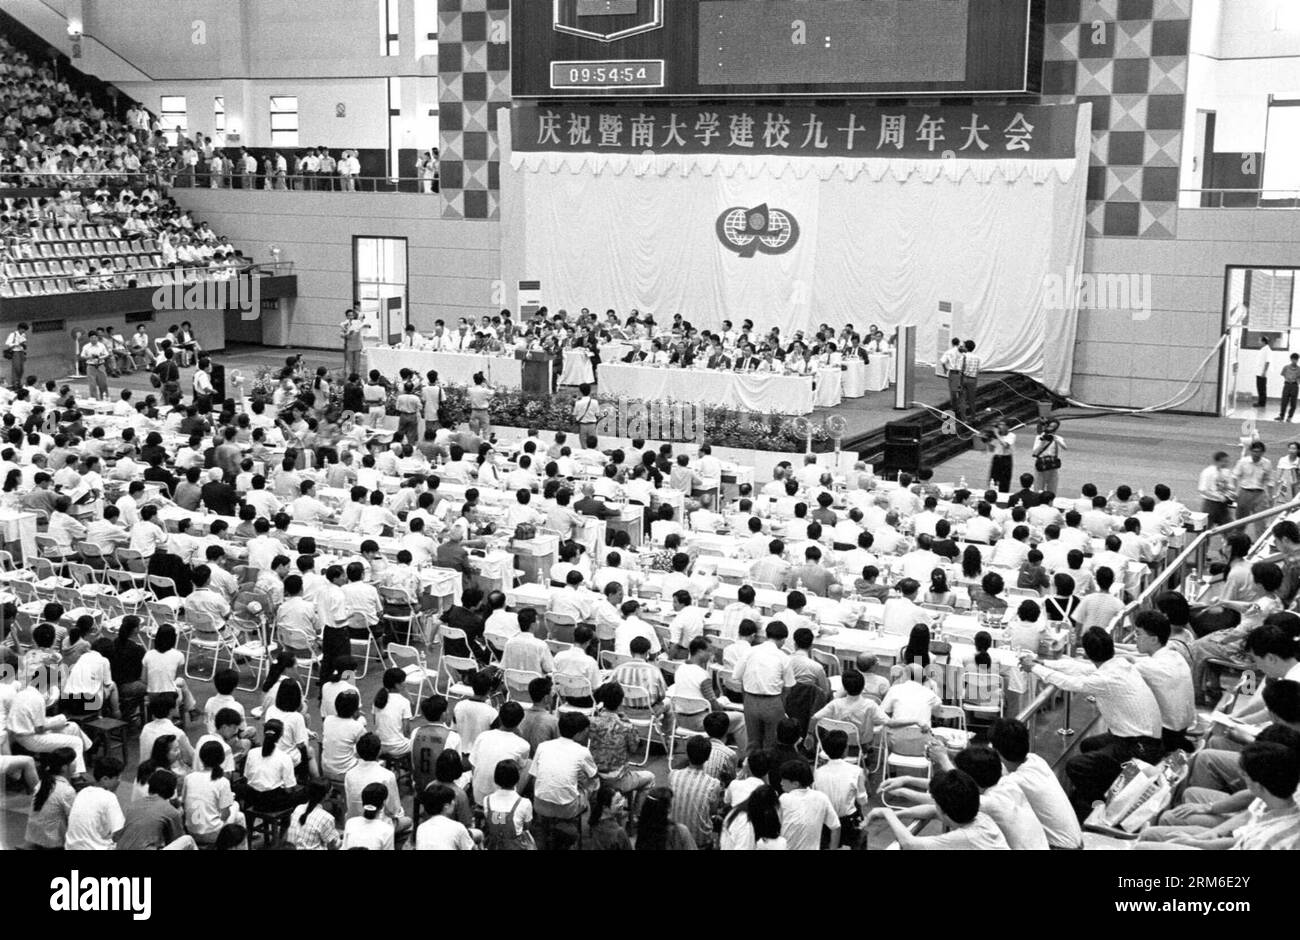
(677, 344)
(107, 241)
(231, 506)
(52, 135)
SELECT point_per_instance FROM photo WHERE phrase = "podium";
(538, 372)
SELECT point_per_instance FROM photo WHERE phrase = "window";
(174, 116)
(219, 115)
(394, 123)
(426, 29)
(389, 45)
(284, 121)
(1282, 149)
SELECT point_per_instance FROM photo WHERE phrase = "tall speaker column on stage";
(905, 364)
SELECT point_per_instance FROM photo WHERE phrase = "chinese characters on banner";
(1042, 132)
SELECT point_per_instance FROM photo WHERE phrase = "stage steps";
(1015, 398)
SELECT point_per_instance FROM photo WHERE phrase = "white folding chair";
(411, 661)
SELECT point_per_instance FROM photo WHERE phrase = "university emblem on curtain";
(761, 229)
(608, 20)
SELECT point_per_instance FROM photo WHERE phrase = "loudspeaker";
(904, 432)
(218, 373)
(901, 458)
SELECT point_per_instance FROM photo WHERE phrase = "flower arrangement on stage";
(723, 427)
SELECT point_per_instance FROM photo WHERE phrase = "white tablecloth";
(830, 385)
(880, 372)
(577, 368)
(763, 392)
(19, 527)
(614, 352)
(855, 378)
(457, 368)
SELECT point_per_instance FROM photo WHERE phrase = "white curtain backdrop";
(881, 241)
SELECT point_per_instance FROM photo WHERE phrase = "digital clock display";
(614, 73)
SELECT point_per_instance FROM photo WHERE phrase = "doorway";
(380, 286)
(1258, 304)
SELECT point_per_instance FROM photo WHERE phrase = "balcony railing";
(21, 182)
(1227, 198)
(1192, 559)
(38, 285)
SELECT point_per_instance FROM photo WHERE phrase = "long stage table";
(457, 368)
(751, 391)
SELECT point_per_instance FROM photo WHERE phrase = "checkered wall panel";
(473, 81)
(1129, 59)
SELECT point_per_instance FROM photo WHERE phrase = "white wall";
(1123, 359)
(248, 108)
(214, 39)
(1241, 52)
(454, 265)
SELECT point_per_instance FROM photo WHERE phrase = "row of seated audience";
(306, 609)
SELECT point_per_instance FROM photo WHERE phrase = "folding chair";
(909, 764)
(983, 695)
(411, 661)
(135, 563)
(207, 636)
(82, 574)
(676, 732)
(516, 681)
(560, 627)
(401, 612)
(568, 686)
(159, 584)
(357, 621)
(825, 726)
(451, 665)
(642, 717)
(829, 661)
(611, 660)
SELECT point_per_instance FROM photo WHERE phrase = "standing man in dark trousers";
(169, 378)
(765, 675)
(950, 362)
(1215, 486)
(1261, 373)
(1002, 445)
(202, 387)
(350, 332)
(16, 353)
(586, 411)
(1290, 388)
(970, 379)
(1128, 708)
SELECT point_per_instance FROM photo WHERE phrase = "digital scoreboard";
(775, 48)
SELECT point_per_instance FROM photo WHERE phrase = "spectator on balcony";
(248, 168)
(349, 170)
(216, 170)
(328, 166)
(310, 170)
(428, 172)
